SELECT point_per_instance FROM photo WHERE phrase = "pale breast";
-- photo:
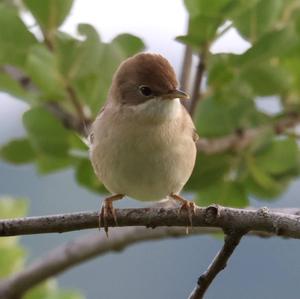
(141, 158)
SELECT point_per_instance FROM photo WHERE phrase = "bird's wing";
(188, 119)
(91, 133)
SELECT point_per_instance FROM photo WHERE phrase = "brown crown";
(148, 69)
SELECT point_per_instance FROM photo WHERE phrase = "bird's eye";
(145, 90)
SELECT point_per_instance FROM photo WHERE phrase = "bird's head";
(145, 77)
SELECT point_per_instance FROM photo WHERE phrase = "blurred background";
(260, 268)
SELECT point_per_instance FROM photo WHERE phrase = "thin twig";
(219, 263)
(196, 92)
(241, 139)
(77, 105)
(186, 68)
(273, 222)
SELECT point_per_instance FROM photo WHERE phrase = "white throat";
(159, 109)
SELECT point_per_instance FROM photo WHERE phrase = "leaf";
(207, 7)
(266, 79)
(258, 19)
(15, 40)
(17, 151)
(14, 88)
(128, 44)
(208, 169)
(271, 44)
(86, 177)
(197, 38)
(279, 156)
(42, 67)
(218, 116)
(11, 260)
(93, 87)
(50, 14)
(227, 193)
(12, 207)
(79, 58)
(48, 163)
(46, 133)
(262, 184)
(49, 290)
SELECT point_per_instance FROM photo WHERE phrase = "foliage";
(74, 74)
(13, 255)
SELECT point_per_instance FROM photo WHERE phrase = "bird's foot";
(187, 206)
(107, 210)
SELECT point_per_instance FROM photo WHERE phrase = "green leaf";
(128, 44)
(266, 79)
(262, 193)
(207, 7)
(78, 58)
(208, 169)
(49, 290)
(15, 39)
(259, 18)
(48, 164)
(279, 156)
(93, 87)
(17, 151)
(197, 38)
(274, 43)
(42, 291)
(262, 184)
(86, 177)
(226, 193)
(11, 260)
(219, 116)
(46, 133)
(49, 13)
(12, 207)
(14, 88)
(42, 67)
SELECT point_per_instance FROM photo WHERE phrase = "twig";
(259, 220)
(78, 108)
(83, 249)
(69, 120)
(186, 68)
(196, 93)
(240, 140)
(218, 264)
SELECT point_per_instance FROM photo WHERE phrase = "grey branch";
(219, 263)
(196, 94)
(186, 68)
(242, 139)
(83, 249)
(259, 220)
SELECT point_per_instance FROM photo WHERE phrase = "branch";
(186, 68)
(258, 220)
(196, 93)
(242, 139)
(80, 250)
(218, 264)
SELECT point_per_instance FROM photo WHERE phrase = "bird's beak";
(176, 94)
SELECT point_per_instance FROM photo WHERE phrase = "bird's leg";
(106, 209)
(187, 205)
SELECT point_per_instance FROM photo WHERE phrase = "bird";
(143, 141)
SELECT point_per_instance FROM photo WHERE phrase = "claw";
(106, 210)
(188, 206)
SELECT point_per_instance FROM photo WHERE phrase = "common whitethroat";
(143, 140)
